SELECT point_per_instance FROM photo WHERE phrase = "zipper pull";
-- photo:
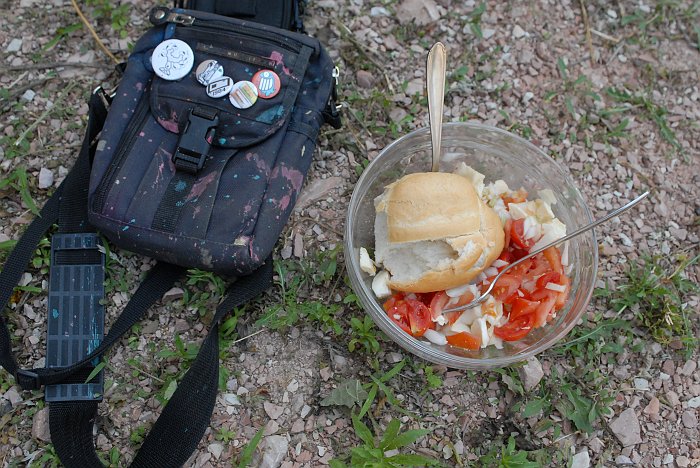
(162, 15)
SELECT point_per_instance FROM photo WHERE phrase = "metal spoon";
(585, 228)
(436, 68)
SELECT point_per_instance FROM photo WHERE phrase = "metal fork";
(585, 228)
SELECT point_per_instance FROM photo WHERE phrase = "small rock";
(273, 450)
(581, 460)
(488, 33)
(379, 11)
(518, 32)
(682, 461)
(641, 384)
(672, 398)
(668, 459)
(13, 396)
(271, 427)
(612, 14)
(286, 252)
(40, 425)
(669, 367)
(653, 407)
(305, 410)
(29, 95)
(273, 411)
(694, 402)
(623, 460)
(689, 367)
(298, 426)
(690, 419)
(173, 295)
(364, 79)
(531, 373)
(326, 374)
(298, 245)
(596, 445)
(14, 46)
(340, 362)
(421, 12)
(626, 428)
(45, 178)
(215, 450)
(293, 386)
(393, 358)
(231, 399)
(527, 97)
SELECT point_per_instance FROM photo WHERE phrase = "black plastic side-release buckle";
(193, 145)
(27, 379)
(76, 312)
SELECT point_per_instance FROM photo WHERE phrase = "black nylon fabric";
(71, 425)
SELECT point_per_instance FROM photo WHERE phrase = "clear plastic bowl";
(498, 155)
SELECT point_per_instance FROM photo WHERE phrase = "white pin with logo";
(208, 71)
(172, 59)
(243, 95)
(219, 88)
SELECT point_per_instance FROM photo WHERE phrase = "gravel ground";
(613, 96)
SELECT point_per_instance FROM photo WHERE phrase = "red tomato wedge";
(517, 234)
(506, 287)
(391, 302)
(551, 277)
(465, 340)
(522, 268)
(522, 307)
(439, 301)
(544, 310)
(419, 317)
(515, 329)
(553, 256)
(564, 295)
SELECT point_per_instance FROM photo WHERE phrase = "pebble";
(668, 459)
(393, 358)
(273, 411)
(623, 460)
(694, 402)
(216, 450)
(29, 95)
(690, 419)
(305, 410)
(232, 399)
(581, 460)
(518, 32)
(488, 33)
(641, 384)
(626, 428)
(531, 373)
(293, 386)
(379, 11)
(364, 79)
(14, 46)
(40, 425)
(653, 407)
(297, 427)
(273, 450)
(669, 367)
(13, 396)
(173, 294)
(689, 367)
(672, 398)
(527, 97)
(596, 445)
(682, 461)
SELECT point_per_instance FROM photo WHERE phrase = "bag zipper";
(125, 144)
(162, 15)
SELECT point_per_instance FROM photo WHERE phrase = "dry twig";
(50, 65)
(92, 31)
(587, 25)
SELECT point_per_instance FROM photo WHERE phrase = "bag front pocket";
(241, 57)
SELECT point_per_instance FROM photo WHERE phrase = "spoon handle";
(585, 228)
(436, 69)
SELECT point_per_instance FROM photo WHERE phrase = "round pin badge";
(208, 71)
(243, 94)
(220, 87)
(268, 83)
(172, 59)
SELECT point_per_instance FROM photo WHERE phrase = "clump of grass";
(657, 290)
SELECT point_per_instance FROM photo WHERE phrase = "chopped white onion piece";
(366, 263)
(435, 337)
(441, 320)
(565, 254)
(520, 293)
(481, 277)
(380, 285)
(498, 263)
(491, 271)
(411, 296)
(497, 342)
(457, 291)
(528, 286)
(555, 287)
(547, 196)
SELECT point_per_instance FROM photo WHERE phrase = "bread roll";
(433, 232)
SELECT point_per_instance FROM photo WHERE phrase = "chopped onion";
(565, 254)
(481, 277)
(457, 291)
(498, 263)
(528, 286)
(555, 287)
(491, 271)
(435, 337)
(411, 296)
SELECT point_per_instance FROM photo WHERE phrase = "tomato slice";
(398, 313)
(391, 302)
(517, 233)
(515, 329)
(506, 287)
(419, 317)
(564, 295)
(425, 298)
(551, 277)
(522, 307)
(544, 310)
(522, 268)
(553, 257)
(464, 299)
(465, 340)
(439, 301)
(506, 240)
(519, 196)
